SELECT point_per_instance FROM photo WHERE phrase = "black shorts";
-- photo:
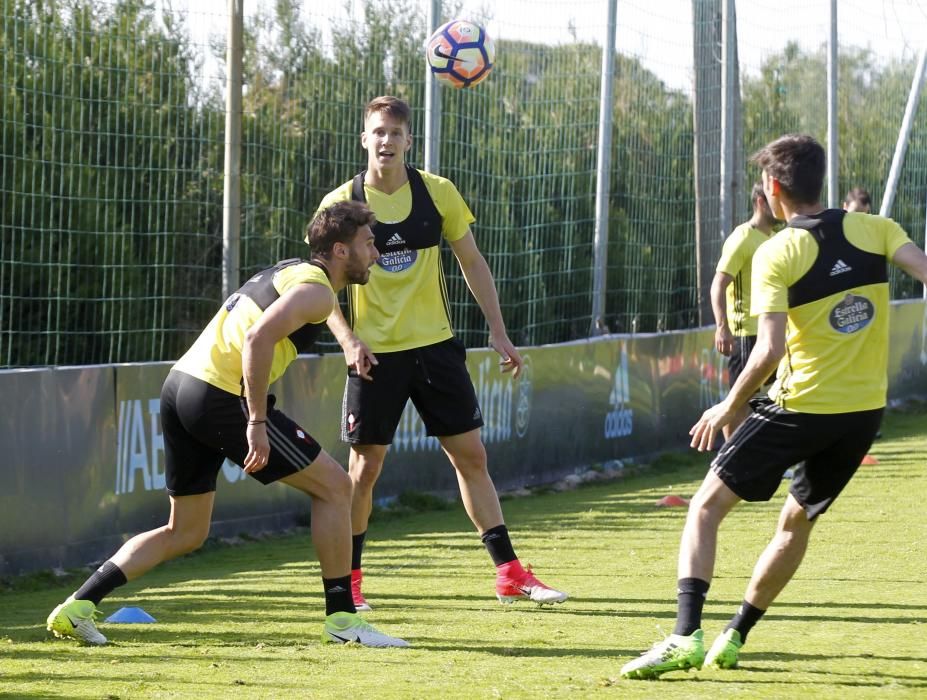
(825, 449)
(435, 377)
(743, 346)
(203, 425)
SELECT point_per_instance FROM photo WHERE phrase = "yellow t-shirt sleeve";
(340, 194)
(455, 213)
(893, 236)
(874, 234)
(732, 254)
(770, 288)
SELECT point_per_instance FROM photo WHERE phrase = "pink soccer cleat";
(360, 603)
(513, 582)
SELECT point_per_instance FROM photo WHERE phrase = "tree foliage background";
(112, 149)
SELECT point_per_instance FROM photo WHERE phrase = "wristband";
(256, 422)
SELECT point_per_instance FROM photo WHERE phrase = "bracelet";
(256, 422)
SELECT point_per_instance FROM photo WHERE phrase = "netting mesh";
(651, 259)
(110, 234)
(785, 90)
(112, 143)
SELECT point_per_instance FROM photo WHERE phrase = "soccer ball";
(460, 53)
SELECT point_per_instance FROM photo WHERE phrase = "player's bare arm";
(356, 353)
(769, 349)
(483, 288)
(305, 303)
(724, 339)
(912, 260)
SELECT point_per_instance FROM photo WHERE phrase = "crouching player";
(214, 404)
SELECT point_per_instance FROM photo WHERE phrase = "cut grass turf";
(244, 621)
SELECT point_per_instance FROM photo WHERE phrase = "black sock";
(338, 595)
(357, 549)
(747, 616)
(690, 593)
(101, 583)
(499, 545)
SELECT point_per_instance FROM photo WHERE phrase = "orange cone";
(869, 460)
(672, 501)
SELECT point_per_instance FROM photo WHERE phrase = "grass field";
(244, 621)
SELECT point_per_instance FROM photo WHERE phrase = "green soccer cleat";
(74, 619)
(345, 628)
(725, 650)
(675, 653)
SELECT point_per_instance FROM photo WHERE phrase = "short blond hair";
(392, 107)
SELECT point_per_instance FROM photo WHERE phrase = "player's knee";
(471, 468)
(340, 488)
(470, 461)
(335, 485)
(198, 539)
(365, 471)
(188, 539)
(795, 526)
(704, 508)
(699, 503)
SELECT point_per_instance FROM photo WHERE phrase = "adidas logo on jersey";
(396, 239)
(839, 268)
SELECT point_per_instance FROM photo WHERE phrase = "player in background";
(214, 404)
(735, 334)
(858, 199)
(400, 344)
(820, 288)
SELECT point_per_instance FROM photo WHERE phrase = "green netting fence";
(112, 139)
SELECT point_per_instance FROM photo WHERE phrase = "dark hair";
(858, 195)
(757, 192)
(391, 106)
(798, 162)
(337, 224)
